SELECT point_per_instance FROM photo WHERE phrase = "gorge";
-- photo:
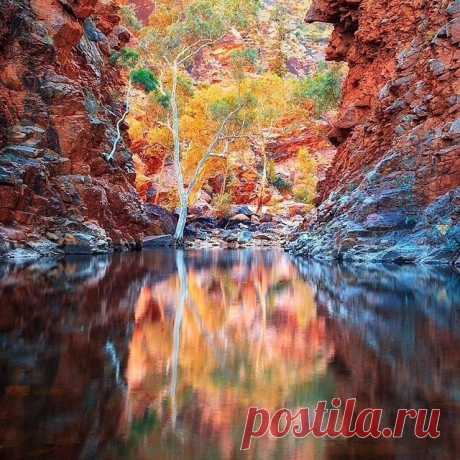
(391, 193)
(312, 148)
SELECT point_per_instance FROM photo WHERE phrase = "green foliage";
(248, 56)
(200, 21)
(223, 107)
(164, 100)
(175, 27)
(146, 78)
(240, 12)
(129, 18)
(281, 183)
(127, 57)
(324, 89)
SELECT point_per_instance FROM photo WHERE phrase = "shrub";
(244, 57)
(271, 171)
(222, 205)
(127, 57)
(164, 100)
(282, 184)
(305, 191)
(305, 194)
(146, 78)
(324, 89)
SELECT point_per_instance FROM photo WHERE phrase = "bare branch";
(202, 164)
(196, 51)
(109, 156)
(210, 151)
(186, 49)
(236, 136)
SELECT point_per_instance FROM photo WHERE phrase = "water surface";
(158, 355)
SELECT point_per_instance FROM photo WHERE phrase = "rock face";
(393, 191)
(59, 102)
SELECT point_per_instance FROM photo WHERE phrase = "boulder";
(245, 211)
(240, 218)
(245, 237)
(158, 241)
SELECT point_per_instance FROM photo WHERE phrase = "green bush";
(324, 89)
(164, 100)
(127, 57)
(146, 78)
(244, 57)
(281, 183)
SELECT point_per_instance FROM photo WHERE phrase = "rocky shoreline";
(431, 237)
(244, 229)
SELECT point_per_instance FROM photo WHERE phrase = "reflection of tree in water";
(210, 354)
(253, 330)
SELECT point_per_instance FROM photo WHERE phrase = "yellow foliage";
(305, 189)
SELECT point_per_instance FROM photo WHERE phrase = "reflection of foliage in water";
(240, 322)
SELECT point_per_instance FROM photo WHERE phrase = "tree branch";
(109, 156)
(196, 51)
(202, 165)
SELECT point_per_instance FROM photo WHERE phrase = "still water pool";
(159, 355)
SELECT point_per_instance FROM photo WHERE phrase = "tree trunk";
(183, 195)
(263, 181)
(183, 212)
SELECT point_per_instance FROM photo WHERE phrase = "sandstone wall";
(59, 102)
(393, 191)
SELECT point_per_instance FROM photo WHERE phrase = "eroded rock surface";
(393, 191)
(59, 102)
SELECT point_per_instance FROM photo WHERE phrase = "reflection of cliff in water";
(64, 331)
(88, 347)
(396, 331)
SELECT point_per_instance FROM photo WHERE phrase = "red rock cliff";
(59, 102)
(393, 192)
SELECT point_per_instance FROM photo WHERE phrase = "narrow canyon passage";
(235, 144)
(230, 229)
